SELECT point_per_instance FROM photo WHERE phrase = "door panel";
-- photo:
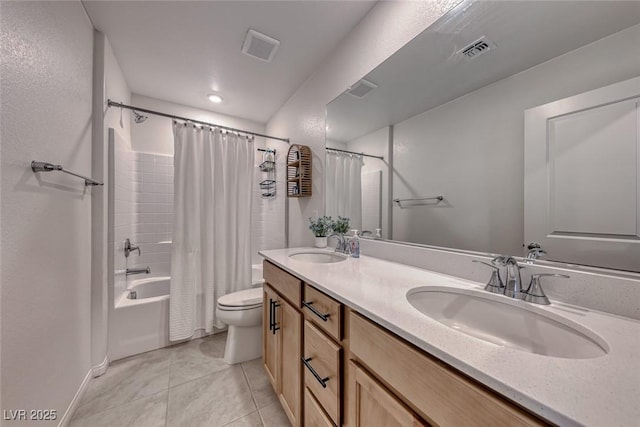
(582, 177)
(291, 350)
(269, 339)
(375, 406)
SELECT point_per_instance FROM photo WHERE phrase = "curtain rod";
(171, 116)
(353, 152)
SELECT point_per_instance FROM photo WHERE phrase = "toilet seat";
(242, 300)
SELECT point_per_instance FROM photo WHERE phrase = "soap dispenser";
(355, 244)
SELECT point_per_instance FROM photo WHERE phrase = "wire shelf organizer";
(268, 166)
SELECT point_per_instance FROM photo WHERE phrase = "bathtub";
(148, 289)
(141, 323)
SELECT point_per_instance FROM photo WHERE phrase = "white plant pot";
(321, 242)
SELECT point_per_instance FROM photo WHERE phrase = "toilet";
(242, 312)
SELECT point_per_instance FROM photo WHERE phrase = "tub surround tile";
(127, 380)
(197, 358)
(213, 400)
(146, 412)
(259, 382)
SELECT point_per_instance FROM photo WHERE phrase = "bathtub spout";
(130, 271)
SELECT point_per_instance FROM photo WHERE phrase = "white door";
(582, 177)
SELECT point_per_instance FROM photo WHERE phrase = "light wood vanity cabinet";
(358, 374)
(375, 406)
(282, 339)
(432, 389)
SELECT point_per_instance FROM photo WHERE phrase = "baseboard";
(66, 418)
(101, 368)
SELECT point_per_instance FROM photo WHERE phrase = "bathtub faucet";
(137, 271)
(130, 247)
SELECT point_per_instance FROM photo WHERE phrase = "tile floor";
(185, 385)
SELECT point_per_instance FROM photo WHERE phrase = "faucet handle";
(534, 292)
(495, 284)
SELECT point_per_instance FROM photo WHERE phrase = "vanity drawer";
(438, 393)
(321, 358)
(284, 283)
(314, 415)
(322, 310)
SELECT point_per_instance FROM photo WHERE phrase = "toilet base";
(244, 343)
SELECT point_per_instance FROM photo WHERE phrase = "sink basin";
(318, 257)
(508, 323)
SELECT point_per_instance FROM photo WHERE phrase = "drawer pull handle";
(275, 317)
(270, 314)
(324, 317)
(322, 381)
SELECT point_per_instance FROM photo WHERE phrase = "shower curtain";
(211, 249)
(344, 187)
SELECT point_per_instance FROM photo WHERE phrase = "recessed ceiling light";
(215, 98)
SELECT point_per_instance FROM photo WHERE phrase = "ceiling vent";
(260, 46)
(477, 48)
(362, 88)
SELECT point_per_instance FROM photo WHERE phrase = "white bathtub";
(148, 289)
(142, 324)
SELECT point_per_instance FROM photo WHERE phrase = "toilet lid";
(246, 298)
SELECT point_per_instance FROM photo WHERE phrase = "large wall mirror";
(429, 147)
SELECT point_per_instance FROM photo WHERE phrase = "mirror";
(441, 122)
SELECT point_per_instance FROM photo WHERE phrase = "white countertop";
(603, 391)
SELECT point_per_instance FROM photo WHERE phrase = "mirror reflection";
(430, 146)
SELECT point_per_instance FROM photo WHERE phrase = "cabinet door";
(290, 333)
(314, 415)
(375, 406)
(269, 337)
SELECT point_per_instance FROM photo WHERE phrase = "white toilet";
(242, 312)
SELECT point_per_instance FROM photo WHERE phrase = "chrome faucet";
(130, 271)
(130, 247)
(534, 292)
(342, 245)
(513, 282)
(535, 252)
(494, 285)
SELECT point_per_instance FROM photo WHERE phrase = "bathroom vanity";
(343, 345)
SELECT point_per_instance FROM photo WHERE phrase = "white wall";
(385, 29)
(46, 219)
(478, 167)
(107, 260)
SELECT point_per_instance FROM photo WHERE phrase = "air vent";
(261, 46)
(362, 88)
(477, 48)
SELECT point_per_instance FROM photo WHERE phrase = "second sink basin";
(318, 257)
(498, 320)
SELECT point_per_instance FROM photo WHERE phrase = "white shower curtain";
(344, 187)
(211, 250)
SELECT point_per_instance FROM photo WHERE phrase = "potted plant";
(321, 227)
(341, 225)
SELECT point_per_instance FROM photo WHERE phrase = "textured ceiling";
(180, 50)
